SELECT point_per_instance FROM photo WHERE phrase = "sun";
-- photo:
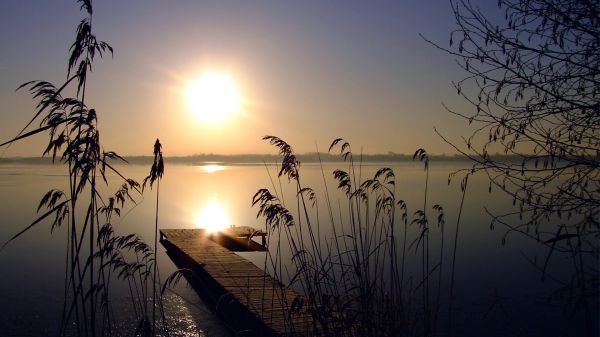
(213, 97)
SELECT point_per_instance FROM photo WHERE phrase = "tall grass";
(354, 280)
(95, 256)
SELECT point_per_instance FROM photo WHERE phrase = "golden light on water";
(213, 97)
(213, 217)
(212, 168)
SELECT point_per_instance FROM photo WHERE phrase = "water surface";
(498, 289)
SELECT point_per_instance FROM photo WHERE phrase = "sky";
(306, 71)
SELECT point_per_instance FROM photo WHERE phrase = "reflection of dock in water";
(243, 295)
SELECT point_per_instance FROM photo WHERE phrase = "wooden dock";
(242, 294)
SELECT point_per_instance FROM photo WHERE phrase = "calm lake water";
(498, 290)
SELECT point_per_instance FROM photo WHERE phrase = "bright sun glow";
(213, 97)
(213, 217)
(211, 168)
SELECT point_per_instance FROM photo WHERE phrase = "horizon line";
(309, 157)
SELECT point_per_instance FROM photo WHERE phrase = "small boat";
(240, 238)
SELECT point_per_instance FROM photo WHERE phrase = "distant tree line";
(260, 158)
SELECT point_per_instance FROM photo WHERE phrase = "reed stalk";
(464, 185)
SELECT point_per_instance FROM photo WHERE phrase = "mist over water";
(497, 288)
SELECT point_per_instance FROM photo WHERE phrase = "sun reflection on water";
(213, 216)
(211, 168)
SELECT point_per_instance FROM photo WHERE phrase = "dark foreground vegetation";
(349, 258)
(96, 256)
(532, 81)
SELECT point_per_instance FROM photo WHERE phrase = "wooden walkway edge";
(246, 297)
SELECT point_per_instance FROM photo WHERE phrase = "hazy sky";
(308, 71)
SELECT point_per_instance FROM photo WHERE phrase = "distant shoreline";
(259, 159)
